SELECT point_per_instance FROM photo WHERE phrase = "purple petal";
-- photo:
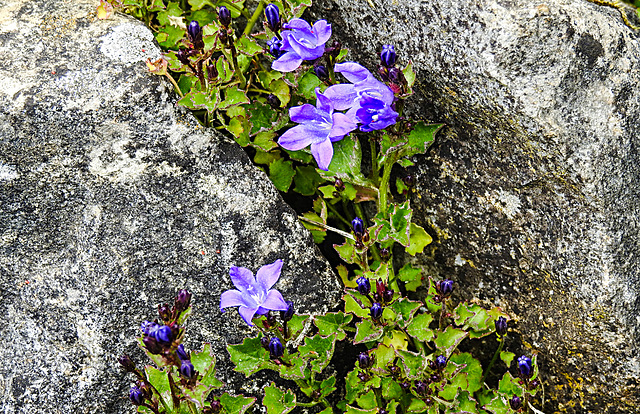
(324, 104)
(305, 48)
(373, 88)
(304, 113)
(353, 71)
(288, 62)
(322, 31)
(342, 95)
(275, 301)
(301, 136)
(247, 314)
(299, 24)
(242, 278)
(323, 153)
(268, 275)
(231, 298)
(342, 125)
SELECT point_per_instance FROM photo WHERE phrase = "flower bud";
(445, 287)
(136, 396)
(396, 76)
(333, 50)
(224, 16)
(376, 311)
(272, 14)
(409, 180)
(405, 385)
(165, 312)
(183, 56)
(441, 362)
(212, 72)
(264, 342)
(358, 226)
(216, 406)
(275, 47)
(182, 354)
(380, 288)
(127, 363)
(364, 360)
(385, 254)
(501, 326)
(339, 185)
(387, 296)
(183, 299)
(163, 335)
(388, 56)
(148, 328)
(515, 403)
(275, 348)
(186, 369)
(194, 33)
(288, 314)
(525, 368)
(321, 72)
(152, 345)
(364, 286)
(421, 387)
(271, 319)
(273, 101)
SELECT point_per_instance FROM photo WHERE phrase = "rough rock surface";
(532, 190)
(112, 199)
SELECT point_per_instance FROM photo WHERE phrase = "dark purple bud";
(363, 376)
(534, 384)
(264, 342)
(435, 378)
(136, 396)
(387, 296)
(364, 286)
(163, 335)
(182, 354)
(441, 362)
(183, 299)
(127, 363)
(216, 406)
(288, 314)
(187, 370)
(339, 185)
(183, 56)
(383, 412)
(275, 47)
(212, 72)
(152, 345)
(224, 16)
(445, 287)
(358, 226)
(273, 101)
(405, 385)
(194, 32)
(334, 49)
(515, 403)
(148, 328)
(421, 387)
(275, 348)
(388, 56)
(396, 76)
(524, 367)
(271, 319)
(384, 254)
(321, 72)
(272, 14)
(165, 312)
(501, 326)
(394, 370)
(364, 360)
(376, 311)
(409, 180)
(380, 288)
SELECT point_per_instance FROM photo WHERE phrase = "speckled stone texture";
(112, 199)
(532, 190)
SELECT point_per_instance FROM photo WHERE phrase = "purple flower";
(275, 47)
(319, 127)
(254, 294)
(301, 42)
(367, 99)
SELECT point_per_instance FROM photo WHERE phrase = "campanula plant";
(286, 91)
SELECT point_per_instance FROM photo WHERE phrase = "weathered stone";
(532, 190)
(112, 199)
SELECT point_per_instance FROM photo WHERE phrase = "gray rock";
(111, 200)
(532, 190)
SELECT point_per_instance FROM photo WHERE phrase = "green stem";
(338, 215)
(375, 170)
(311, 404)
(254, 18)
(192, 407)
(383, 190)
(493, 360)
(236, 67)
(175, 85)
(324, 226)
(258, 90)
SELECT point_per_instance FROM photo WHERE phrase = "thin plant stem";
(258, 91)
(493, 360)
(375, 170)
(324, 226)
(337, 213)
(175, 84)
(383, 196)
(254, 18)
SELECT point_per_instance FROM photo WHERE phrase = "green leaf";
(170, 15)
(233, 97)
(462, 403)
(346, 160)
(320, 349)
(205, 363)
(391, 390)
(281, 174)
(497, 406)
(318, 233)
(354, 410)
(248, 46)
(278, 401)
(383, 355)
(266, 77)
(366, 331)
(235, 405)
(507, 357)
(406, 308)
(419, 327)
(347, 251)
(355, 387)
(327, 386)
(472, 368)
(417, 406)
(281, 90)
(447, 341)
(351, 305)
(160, 380)
(262, 116)
(476, 319)
(367, 401)
(239, 128)
(307, 180)
(225, 73)
(249, 357)
(199, 4)
(169, 36)
(205, 18)
(420, 139)
(409, 74)
(398, 225)
(333, 322)
(414, 364)
(264, 140)
(307, 85)
(411, 276)
(509, 385)
(294, 371)
(418, 240)
(265, 158)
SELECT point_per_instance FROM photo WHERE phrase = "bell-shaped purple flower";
(364, 286)
(441, 362)
(319, 127)
(272, 14)
(301, 42)
(358, 226)
(182, 354)
(515, 403)
(388, 56)
(275, 348)
(321, 72)
(194, 33)
(525, 368)
(275, 47)
(445, 287)
(376, 311)
(254, 295)
(364, 360)
(187, 369)
(367, 99)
